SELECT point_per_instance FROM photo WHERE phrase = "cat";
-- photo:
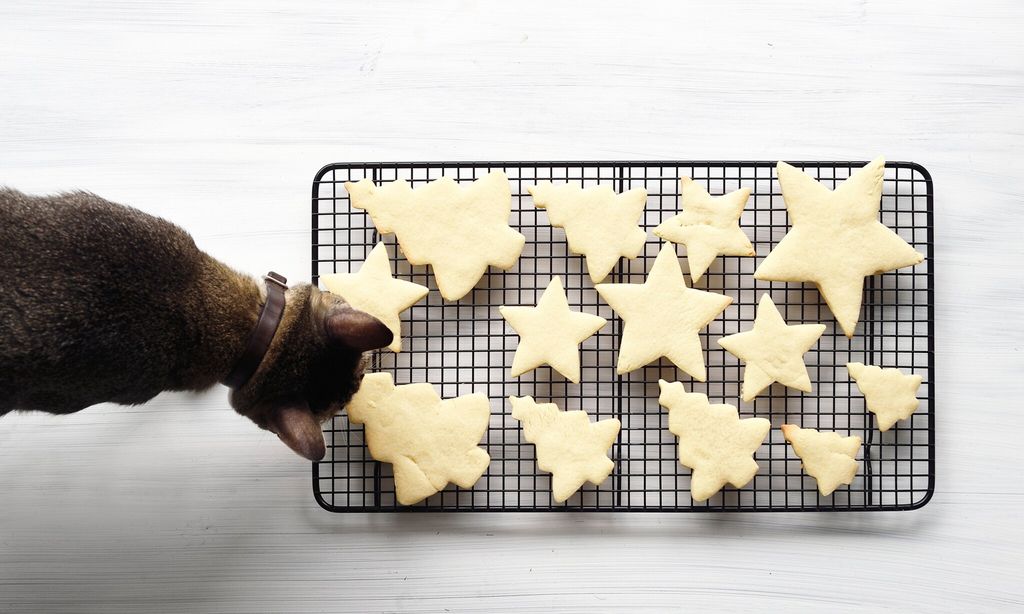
(102, 303)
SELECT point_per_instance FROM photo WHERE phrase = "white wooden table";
(217, 114)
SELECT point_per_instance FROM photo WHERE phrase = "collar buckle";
(276, 278)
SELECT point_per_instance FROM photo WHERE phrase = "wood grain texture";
(217, 114)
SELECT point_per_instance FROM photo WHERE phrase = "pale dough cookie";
(827, 457)
(773, 350)
(373, 290)
(598, 223)
(707, 226)
(550, 333)
(889, 394)
(429, 442)
(457, 229)
(713, 441)
(662, 317)
(570, 447)
(836, 239)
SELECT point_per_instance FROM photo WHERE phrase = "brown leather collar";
(261, 336)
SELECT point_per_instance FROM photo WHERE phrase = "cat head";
(311, 369)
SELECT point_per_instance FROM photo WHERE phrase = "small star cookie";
(836, 239)
(372, 289)
(457, 229)
(713, 441)
(429, 442)
(598, 223)
(662, 317)
(570, 447)
(707, 226)
(889, 394)
(550, 333)
(827, 457)
(773, 350)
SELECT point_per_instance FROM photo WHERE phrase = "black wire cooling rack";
(466, 346)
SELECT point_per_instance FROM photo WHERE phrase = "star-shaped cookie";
(372, 289)
(569, 446)
(889, 394)
(773, 350)
(713, 441)
(428, 441)
(836, 239)
(598, 223)
(828, 457)
(457, 229)
(550, 333)
(708, 226)
(662, 317)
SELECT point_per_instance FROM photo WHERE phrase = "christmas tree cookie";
(889, 394)
(569, 446)
(713, 441)
(598, 223)
(827, 457)
(429, 442)
(459, 230)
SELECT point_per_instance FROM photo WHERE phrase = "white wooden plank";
(216, 115)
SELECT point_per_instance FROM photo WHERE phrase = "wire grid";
(465, 346)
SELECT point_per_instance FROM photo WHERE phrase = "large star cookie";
(836, 239)
(713, 441)
(707, 226)
(828, 457)
(598, 223)
(373, 290)
(662, 317)
(889, 394)
(550, 333)
(773, 350)
(569, 446)
(429, 442)
(458, 230)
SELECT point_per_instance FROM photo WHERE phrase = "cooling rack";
(466, 346)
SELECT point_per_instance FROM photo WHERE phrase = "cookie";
(570, 447)
(429, 442)
(662, 317)
(889, 394)
(828, 457)
(550, 333)
(836, 239)
(713, 441)
(459, 230)
(772, 350)
(372, 289)
(598, 223)
(708, 226)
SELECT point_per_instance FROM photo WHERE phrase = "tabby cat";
(104, 303)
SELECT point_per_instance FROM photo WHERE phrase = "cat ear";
(299, 430)
(357, 330)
